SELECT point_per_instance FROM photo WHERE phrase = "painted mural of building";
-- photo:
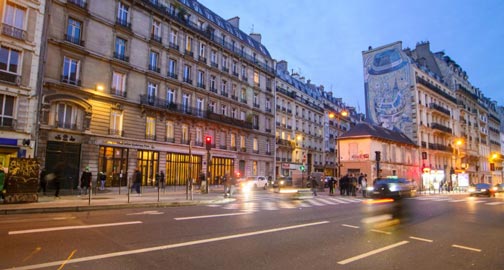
(20, 45)
(428, 97)
(140, 84)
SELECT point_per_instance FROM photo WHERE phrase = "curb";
(111, 206)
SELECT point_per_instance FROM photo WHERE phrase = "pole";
(207, 171)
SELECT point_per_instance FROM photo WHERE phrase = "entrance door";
(67, 154)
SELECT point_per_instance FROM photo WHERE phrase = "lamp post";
(338, 116)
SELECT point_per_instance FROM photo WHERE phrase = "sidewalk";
(111, 199)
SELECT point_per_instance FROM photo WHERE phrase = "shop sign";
(290, 166)
(360, 156)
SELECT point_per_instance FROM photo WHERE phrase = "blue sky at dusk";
(323, 40)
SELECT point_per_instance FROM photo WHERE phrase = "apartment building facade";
(140, 84)
(20, 45)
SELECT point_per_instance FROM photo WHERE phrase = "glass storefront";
(148, 164)
(113, 161)
(180, 167)
(219, 167)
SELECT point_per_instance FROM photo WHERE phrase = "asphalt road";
(265, 231)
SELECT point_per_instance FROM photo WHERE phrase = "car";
(282, 181)
(257, 182)
(499, 188)
(394, 188)
(481, 189)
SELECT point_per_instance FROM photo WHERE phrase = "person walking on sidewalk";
(364, 185)
(103, 179)
(137, 181)
(314, 185)
(86, 178)
(43, 182)
(331, 186)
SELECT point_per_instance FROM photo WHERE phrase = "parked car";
(282, 181)
(481, 189)
(257, 182)
(395, 188)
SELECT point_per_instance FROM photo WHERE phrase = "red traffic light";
(208, 139)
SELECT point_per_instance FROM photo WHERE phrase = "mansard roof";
(225, 25)
(309, 89)
(366, 130)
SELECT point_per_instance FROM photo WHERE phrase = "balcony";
(116, 132)
(150, 137)
(222, 147)
(439, 109)
(172, 75)
(233, 148)
(121, 57)
(228, 120)
(268, 130)
(213, 89)
(255, 151)
(202, 59)
(190, 53)
(234, 97)
(123, 23)
(187, 80)
(244, 78)
(154, 68)
(257, 105)
(173, 46)
(74, 40)
(243, 100)
(10, 77)
(224, 93)
(73, 81)
(436, 89)
(185, 141)
(213, 64)
(236, 74)
(170, 139)
(268, 88)
(79, 3)
(156, 38)
(118, 92)
(225, 69)
(441, 128)
(14, 32)
(243, 149)
(201, 85)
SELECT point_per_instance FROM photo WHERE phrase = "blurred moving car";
(499, 188)
(481, 189)
(256, 182)
(282, 181)
(395, 188)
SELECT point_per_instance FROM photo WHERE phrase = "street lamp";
(333, 115)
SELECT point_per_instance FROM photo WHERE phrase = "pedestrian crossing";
(473, 200)
(272, 204)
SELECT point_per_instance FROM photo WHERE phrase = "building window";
(222, 139)
(120, 49)
(153, 61)
(150, 128)
(242, 115)
(151, 92)
(122, 13)
(187, 74)
(233, 113)
(224, 110)
(172, 68)
(224, 61)
(74, 30)
(14, 19)
(7, 111)
(185, 134)
(233, 141)
(156, 30)
(242, 141)
(186, 102)
(224, 87)
(189, 41)
(9, 60)
(200, 105)
(170, 96)
(70, 71)
(66, 116)
(201, 79)
(268, 148)
(212, 83)
(213, 57)
(255, 145)
(202, 50)
(116, 122)
(256, 78)
(170, 131)
(199, 136)
(211, 106)
(118, 84)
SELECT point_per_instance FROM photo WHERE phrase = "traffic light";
(302, 168)
(378, 155)
(208, 142)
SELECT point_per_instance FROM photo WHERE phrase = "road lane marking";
(373, 252)
(421, 239)
(380, 231)
(462, 200)
(212, 216)
(494, 203)
(68, 258)
(153, 212)
(171, 246)
(36, 219)
(468, 248)
(350, 226)
(74, 227)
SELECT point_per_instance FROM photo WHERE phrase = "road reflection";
(386, 213)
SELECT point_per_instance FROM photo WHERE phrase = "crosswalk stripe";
(463, 200)
(286, 205)
(305, 205)
(270, 206)
(326, 201)
(315, 202)
(494, 203)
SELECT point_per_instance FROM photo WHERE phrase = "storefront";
(181, 167)
(64, 153)
(219, 167)
(8, 149)
(113, 161)
(148, 164)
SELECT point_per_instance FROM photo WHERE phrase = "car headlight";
(471, 189)
(483, 189)
(494, 188)
(370, 188)
(393, 187)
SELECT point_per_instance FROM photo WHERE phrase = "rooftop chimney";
(282, 66)
(256, 37)
(235, 21)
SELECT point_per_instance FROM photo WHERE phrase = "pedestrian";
(43, 182)
(201, 179)
(137, 182)
(364, 186)
(2, 183)
(158, 180)
(331, 186)
(85, 181)
(57, 177)
(343, 183)
(232, 185)
(162, 179)
(353, 185)
(314, 185)
(227, 185)
(103, 179)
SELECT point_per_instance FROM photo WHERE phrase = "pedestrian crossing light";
(302, 168)
(208, 142)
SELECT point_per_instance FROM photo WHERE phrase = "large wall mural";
(387, 81)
